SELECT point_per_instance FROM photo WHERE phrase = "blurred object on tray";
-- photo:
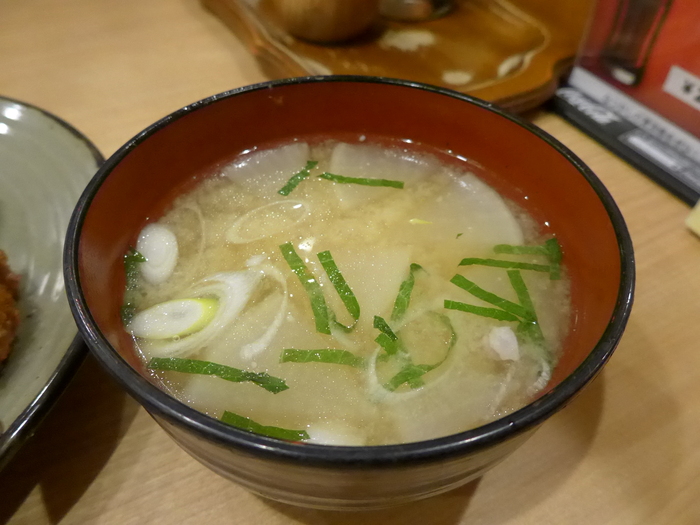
(512, 52)
(636, 88)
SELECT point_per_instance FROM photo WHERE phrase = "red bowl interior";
(147, 173)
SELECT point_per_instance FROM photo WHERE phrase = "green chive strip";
(497, 263)
(530, 325)
(196, 366)
(494, 313)
(294, 181)
(339, 283)
(381, 325)
(403, 299)
(364, 182)
(249, 425)
(389, 345)
(412, 374)
(311, 286)
(331, 356)
(550, 249)
(132, 259)
(489, 297)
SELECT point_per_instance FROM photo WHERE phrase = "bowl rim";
(161, 404)
(26, 423)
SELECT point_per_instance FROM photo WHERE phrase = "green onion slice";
(235, 375)
(381, 325)
(529, 326)
(132, 259)
(411, 373)
(497, 263)
(491, 298)
(403, 299)
(331, 356)
(364, 182)
(311, 286)
(339, 283)
(494, 313)
(294, 181)
(245, 423)
(550, 249)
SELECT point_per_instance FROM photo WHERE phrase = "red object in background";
(629, 42)
(640, 41)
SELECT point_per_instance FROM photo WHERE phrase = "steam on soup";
(347, 294)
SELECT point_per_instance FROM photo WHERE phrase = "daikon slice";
(373, 162)
(265, 171)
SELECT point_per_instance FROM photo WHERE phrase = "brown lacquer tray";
(511, 52)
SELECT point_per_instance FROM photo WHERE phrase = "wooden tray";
(511, 52)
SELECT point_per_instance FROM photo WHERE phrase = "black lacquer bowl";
(533, 169)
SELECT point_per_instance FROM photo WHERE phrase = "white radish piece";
(267, 220)
(176, 318)
(335, 433)
(277, 165)
(373, 162)
(504, 343)
(158, 245)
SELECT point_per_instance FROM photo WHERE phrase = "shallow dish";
(534, 170)
(44, 165)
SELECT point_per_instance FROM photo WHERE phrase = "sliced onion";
(159, 246)
(267, 220)
(250, 350)
(336, 433)
(233, 291)
(176, 318)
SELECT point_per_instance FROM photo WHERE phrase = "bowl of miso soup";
(348, 292)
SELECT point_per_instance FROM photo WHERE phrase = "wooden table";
(626, 451)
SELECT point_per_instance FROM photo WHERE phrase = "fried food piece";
(9, 315)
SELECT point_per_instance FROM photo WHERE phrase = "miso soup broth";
(347, 294)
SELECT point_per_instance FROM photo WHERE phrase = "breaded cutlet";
(9, 315)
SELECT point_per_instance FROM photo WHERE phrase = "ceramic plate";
(44, 167)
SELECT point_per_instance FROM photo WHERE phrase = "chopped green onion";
(331, 356)
(491, 298)
(294, 181)
(555, 255)
(550, 249)
(196, 366)
(497, 263)
(419, 221)
(389, 345)
(127, 312)
(132, 259)
(530, 326)
(381, 325)
(364, 182)
(339, 283)
(411, 374)
(494, 313)
(521, 250)
(459, 235)
(403, 299)
(245, 423)
(311, 286)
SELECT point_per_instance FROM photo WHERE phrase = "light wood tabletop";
(626, 451)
